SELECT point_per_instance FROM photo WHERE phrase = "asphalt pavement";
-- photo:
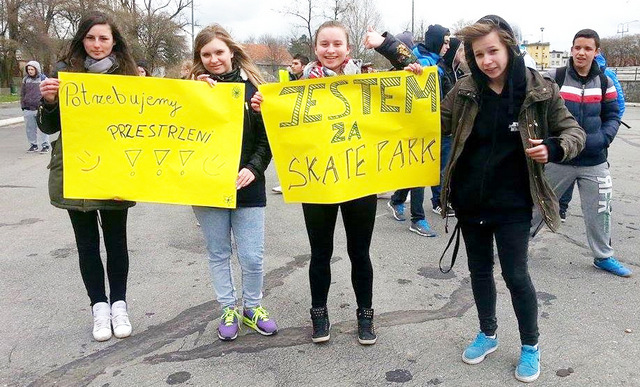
(589, 320)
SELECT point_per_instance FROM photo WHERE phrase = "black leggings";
(359, 216)
(114, 227)
(512, 241)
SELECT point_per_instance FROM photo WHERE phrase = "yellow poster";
(340, 138)
(150, 139)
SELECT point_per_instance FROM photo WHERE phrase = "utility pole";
(541, 34)
(412, 16)
(192, 35)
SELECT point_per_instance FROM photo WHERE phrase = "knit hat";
(434, 38)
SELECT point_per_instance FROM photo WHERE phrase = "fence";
(627, 73)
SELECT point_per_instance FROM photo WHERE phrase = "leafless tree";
(305, 15)
(359, 15)
(621, 52)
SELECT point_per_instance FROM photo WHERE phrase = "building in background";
(540, 53)
(558, 58)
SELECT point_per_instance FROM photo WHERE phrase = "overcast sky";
(561, 19)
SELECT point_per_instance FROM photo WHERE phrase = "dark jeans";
(359, 216)
(566, 198)
(114, 227)
(512, 241)
(417, 201)
(445, 150)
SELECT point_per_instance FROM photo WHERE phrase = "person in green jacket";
(97, 47)
(507, 121)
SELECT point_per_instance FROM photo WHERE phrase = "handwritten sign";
(340, 138)
(150, 139)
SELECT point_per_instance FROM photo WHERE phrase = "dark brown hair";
(76, 55)
(588, 34)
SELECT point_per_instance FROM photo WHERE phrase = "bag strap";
(603, 84)
(561, 73)
(456, 247)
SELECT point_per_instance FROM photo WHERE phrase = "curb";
(11, 121)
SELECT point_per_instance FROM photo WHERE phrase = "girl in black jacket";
(218, 58)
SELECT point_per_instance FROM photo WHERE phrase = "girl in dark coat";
(97, 47)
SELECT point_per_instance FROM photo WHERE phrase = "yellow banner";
(150, 139)
(340, 138)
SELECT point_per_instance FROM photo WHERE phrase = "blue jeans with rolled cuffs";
(246, 224)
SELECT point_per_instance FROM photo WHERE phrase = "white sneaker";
(120, 320)
(277, 189)
(101, 321)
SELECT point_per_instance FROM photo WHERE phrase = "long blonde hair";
(240, 58)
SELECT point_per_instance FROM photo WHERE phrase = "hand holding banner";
(340, 138)
(150, 139)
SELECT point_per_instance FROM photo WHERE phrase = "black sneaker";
(33, 148)
(45, 149)
(321, 324)
(563, 216)
(366, 330)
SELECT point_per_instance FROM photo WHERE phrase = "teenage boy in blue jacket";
(598, 114)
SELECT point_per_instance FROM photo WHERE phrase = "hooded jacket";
(537, 111)
(30, 92)
(602, 63)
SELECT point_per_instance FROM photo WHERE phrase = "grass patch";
(9, 98)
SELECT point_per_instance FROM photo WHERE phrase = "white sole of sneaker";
(528, 379)
(321, 339)
(367, 342)
(227, 338)
(421, 234)
(478, 359)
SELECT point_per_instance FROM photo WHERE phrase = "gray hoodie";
(30, 93)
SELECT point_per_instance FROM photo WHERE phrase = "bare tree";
(359, 15)
(460, 24)
(276, 54)
(338, 9)
(621, 52)
(305, 14)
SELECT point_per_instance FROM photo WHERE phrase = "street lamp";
(541, 34)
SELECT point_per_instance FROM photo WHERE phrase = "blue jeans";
(444, 157)
(34, 135)
(247, 225)
(417, 201)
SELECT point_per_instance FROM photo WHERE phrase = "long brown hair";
(328, 24)
(241, 58)
(76, 54)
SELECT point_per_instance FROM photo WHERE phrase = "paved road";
(424, 318)
(10, 110)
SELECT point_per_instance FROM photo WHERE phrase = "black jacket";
(256, 153)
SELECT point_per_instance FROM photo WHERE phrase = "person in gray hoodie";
(29, 101)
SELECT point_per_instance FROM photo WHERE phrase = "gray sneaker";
(397, 210)
(421, 227)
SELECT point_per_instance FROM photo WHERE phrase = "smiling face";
(98, 42)
(332, 47)
(492, 57)
(583, 52)
(216, 57)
